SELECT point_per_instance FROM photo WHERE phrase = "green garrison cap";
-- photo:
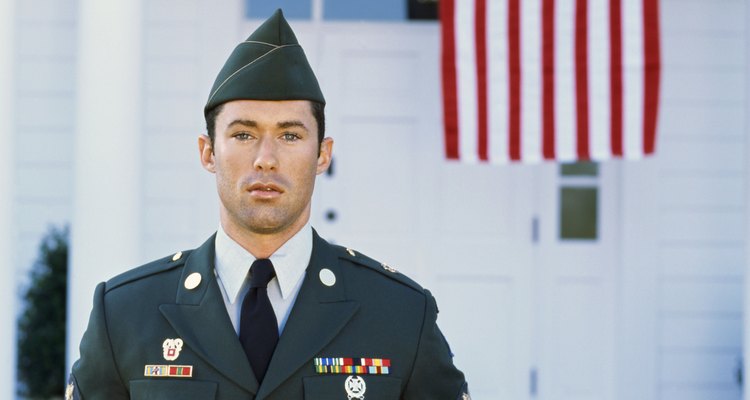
(269, 65)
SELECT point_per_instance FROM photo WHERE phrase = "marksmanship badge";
(355, 387)
(172, 348)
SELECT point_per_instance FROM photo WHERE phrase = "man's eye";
(242, 136)
(290, 137)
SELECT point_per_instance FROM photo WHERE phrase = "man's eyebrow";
(291, 124)
(281, 125)
(244, 122)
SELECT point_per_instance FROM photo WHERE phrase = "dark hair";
(317, 108)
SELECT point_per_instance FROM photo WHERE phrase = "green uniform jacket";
(370, 312)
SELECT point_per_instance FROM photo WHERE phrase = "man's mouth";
(265, 190)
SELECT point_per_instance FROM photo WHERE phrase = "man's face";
(265, 156)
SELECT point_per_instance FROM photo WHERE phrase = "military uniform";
(357, 329)
(369, 311)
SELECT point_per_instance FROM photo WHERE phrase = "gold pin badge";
(327, 277)
(351, 252)
(465, 396)
(389, 268)
(177, 256)
(193, 280)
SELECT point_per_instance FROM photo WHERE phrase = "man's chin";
(266, 229)
(267, 226)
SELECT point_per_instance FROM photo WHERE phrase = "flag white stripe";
(633, 62)
(531, 85)
(565, 94)
(598, 73)
(497, 80)
(466, 80)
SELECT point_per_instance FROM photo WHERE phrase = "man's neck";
(262, 245)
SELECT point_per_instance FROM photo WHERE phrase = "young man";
(265, 308)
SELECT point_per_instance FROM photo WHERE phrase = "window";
(293, 9)
(579, 201)
(346, 10)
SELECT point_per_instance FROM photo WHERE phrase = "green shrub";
(41, 326)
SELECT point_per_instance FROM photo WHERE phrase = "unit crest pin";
(172, 348)
(388, 268)
(355, 387)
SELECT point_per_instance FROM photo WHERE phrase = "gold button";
(177, 256)
(351, 252)
(193, 280)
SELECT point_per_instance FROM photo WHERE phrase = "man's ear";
(325, 155)
(206, 148)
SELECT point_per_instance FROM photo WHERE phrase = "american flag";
(533, 80)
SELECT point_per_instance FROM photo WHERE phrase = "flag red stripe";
(548, 79)
(652, 66)
(615, 76)
(514, 77)
(480, 37)
(582, 89)
(450, 87)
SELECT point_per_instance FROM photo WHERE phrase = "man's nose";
(265, 158)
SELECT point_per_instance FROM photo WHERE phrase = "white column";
(7, 271)
(106, 202)
(746, 308)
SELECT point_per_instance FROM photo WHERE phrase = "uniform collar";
(289, 261)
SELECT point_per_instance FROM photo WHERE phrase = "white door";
(576, 265)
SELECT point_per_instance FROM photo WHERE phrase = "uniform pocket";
(151, 389)
(371, 387)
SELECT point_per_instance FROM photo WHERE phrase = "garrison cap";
(269, 65)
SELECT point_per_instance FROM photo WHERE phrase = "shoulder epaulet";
(154, 267)
(383, 268)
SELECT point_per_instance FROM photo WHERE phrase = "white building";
(101, 104)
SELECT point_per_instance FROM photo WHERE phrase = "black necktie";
(259, 332)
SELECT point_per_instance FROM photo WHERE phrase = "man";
(265, 308)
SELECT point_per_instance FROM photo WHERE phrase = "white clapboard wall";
(700, 228)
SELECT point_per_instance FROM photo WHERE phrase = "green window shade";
(579, 169)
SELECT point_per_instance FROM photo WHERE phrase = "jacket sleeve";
(94, 375)
(434, 376)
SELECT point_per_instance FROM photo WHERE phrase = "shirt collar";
(289, 261)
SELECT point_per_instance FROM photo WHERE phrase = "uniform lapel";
(200, 318)
(318, 315)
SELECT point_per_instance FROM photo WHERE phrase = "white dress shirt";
(289, 261)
